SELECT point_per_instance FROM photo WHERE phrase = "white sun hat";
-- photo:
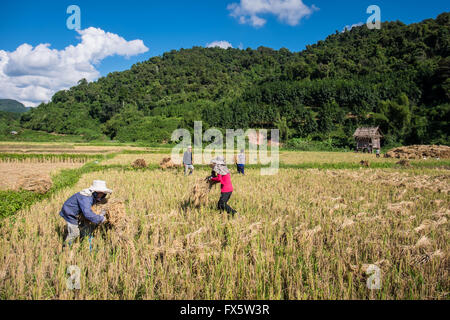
(100, 186)
(218, 160)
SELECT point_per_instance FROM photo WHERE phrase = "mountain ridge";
(11, 105)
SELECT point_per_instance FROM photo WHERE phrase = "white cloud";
(287, 11)
(221, 44)
(32, 75)
(348, 27)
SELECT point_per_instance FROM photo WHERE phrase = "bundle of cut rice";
(139, 164)
(200, 192)
(115, 212)
(404, 163)
(364, 163)
(167, 163)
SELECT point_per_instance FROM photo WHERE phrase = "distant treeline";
(396, 77)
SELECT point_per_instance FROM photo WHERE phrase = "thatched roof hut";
(368, 138)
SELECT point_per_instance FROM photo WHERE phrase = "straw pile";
(167, 163)
(36, 183)
(419, 152)
(200, 192)
(139, 164)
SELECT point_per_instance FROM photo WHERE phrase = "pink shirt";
(225, 181)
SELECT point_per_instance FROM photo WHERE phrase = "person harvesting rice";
(222, 174)
(79, 206)
(240, 162)
(188, 162)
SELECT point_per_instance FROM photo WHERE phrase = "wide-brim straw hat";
(100, 186)
(218, 160)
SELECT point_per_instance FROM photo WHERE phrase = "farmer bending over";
(187, 161)
(80, 204)
(222, 174)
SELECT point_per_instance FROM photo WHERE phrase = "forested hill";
(396, 77)
(8, 105)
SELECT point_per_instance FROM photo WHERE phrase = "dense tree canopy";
(396, 77)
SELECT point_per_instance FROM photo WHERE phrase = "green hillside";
(396, 77)
(9, 105)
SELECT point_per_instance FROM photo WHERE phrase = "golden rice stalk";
(423, 243)
(427, 257)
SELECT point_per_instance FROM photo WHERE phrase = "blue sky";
(167, 25)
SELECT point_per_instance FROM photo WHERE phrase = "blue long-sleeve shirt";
(77, 204)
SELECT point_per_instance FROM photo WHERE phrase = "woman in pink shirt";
(222, 174)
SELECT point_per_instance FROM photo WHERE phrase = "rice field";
(312, 159)
(330, 157)
(301, 234)
(127, 159)
(12, 171)
(67, 148)
(20, 158)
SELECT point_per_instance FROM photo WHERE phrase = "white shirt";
(241, 158)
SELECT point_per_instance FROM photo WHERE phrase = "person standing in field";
(378, 153)
(222, 174)
(188, 162)
(240, 163)
(79, 206)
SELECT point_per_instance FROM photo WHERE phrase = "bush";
(13, 201)
(89, 134)
(149, 129)
(300, 144)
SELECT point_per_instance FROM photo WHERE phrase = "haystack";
(200, 192)
(139, 164)
(36, 183)
(167, 163)
(419, 152)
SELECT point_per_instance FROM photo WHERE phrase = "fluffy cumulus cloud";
(287, 11)
(32, 75)
(221, 44)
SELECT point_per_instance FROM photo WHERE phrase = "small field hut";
(368, 139)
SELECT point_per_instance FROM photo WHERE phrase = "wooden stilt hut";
(368, 139)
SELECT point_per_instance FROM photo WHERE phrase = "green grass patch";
(27, 135)
(13, 201)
